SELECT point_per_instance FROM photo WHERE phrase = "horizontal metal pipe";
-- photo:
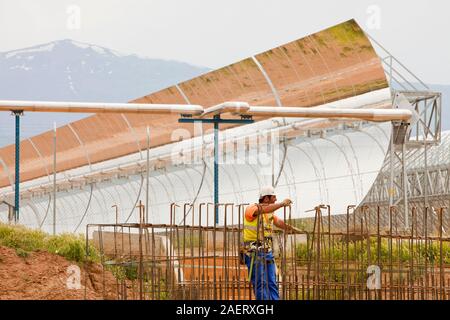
(374, 115)
(92, 107)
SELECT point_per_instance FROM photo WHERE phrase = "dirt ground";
(43, 276)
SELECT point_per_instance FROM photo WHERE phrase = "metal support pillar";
(216, 167)
(391, 169)
(405, 186)
(400, 139)
(425, 154)
(17, 114)
(216, 121)
(147, 176)
(54, 179)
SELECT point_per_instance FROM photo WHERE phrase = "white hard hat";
(266, 191)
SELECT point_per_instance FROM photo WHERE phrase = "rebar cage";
(197, 259)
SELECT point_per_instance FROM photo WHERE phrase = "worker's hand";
(287, 202)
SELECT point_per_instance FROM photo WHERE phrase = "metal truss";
(395, 182)
(422, 182)
(415, 173)
(425, 172)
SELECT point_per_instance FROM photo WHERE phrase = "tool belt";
(249, 247)
(265, 244)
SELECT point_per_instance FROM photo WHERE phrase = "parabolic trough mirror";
(101, 159)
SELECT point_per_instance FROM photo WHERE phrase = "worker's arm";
(271, 207)
(284, 226)
(267, 208)
(275, 206)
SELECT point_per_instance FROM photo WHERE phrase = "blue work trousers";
(263, 275)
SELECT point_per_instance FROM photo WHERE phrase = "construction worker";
(257, 250)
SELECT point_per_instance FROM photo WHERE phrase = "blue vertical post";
(216, 167)
(216, 120)
(17, 114)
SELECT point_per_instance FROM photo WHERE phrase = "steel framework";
(424, 132)
(415, 172)
(197, 260)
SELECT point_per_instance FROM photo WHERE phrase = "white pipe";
(375, 115)
(92, 107)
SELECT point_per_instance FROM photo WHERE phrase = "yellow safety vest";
(250, 227)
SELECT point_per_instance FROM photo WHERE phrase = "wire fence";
(199, 259)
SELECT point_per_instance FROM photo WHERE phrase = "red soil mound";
(43, 276)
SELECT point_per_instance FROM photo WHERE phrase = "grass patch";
(24, 240)
(22, 253)
(129, 272)
(358, 252)
(122, 272)
(360, 256)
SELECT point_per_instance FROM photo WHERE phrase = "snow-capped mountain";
(71, 70)
(68, 70)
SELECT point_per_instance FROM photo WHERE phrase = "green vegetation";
(123, 272)
(22, 253)
(24, 241)
(362, 254)
(358, 251)
(128, 272)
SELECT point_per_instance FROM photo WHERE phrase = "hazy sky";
(215, 33)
